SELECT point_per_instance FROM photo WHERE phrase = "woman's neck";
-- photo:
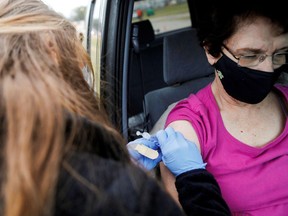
(226, 102)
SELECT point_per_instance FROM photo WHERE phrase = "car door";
(125, 72)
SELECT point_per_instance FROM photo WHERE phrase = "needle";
(145, 135)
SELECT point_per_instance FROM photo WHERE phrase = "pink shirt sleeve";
(194, 110)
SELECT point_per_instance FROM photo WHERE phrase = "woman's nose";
(266, 64)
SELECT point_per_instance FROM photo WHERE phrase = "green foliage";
(78, 14)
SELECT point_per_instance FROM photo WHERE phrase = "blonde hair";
(40, 82)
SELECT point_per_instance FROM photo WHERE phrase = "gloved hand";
(178, 154)
(140, 159)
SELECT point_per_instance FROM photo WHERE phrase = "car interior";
(185, 71)
(162, 72)
(145, 67)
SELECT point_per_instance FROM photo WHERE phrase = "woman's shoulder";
(93, 184)
(200, 98)
(199, 103)
(100, 171)
(283, 88)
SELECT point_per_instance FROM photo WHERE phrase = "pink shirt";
(253, 181)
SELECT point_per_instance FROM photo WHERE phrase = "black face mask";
(245, 84)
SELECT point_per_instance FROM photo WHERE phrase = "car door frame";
(114, 29)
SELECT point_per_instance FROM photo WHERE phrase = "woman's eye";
(250, 56)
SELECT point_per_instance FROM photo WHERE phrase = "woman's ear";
(211, 59)
(54, 55)
(52, 50)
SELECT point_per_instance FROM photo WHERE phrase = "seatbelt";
(136, 46)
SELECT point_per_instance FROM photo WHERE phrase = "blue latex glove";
(140, 159)
(178, 154)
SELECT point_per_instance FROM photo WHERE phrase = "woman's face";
(259, 37)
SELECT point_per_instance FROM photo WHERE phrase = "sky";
(66, 6)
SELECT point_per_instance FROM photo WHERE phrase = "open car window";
(135, 46)
(164, 15)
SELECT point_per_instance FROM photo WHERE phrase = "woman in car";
(239, 121)
(60, 154)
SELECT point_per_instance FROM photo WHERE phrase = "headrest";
(142, 34)
(184, 59)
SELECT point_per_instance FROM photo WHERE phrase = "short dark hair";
(225, 16)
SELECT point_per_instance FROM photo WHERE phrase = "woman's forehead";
(259, 34)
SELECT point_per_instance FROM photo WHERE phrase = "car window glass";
(165, 15)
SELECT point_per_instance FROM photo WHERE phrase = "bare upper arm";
(167, 177)
(187, 130)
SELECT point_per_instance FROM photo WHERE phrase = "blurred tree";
(78, 14)
(96, 24)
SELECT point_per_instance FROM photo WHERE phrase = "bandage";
(146, 151)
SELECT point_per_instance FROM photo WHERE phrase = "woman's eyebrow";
(251, 50)
(282, 49)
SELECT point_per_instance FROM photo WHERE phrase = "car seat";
(145, 72)
(185, 71)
